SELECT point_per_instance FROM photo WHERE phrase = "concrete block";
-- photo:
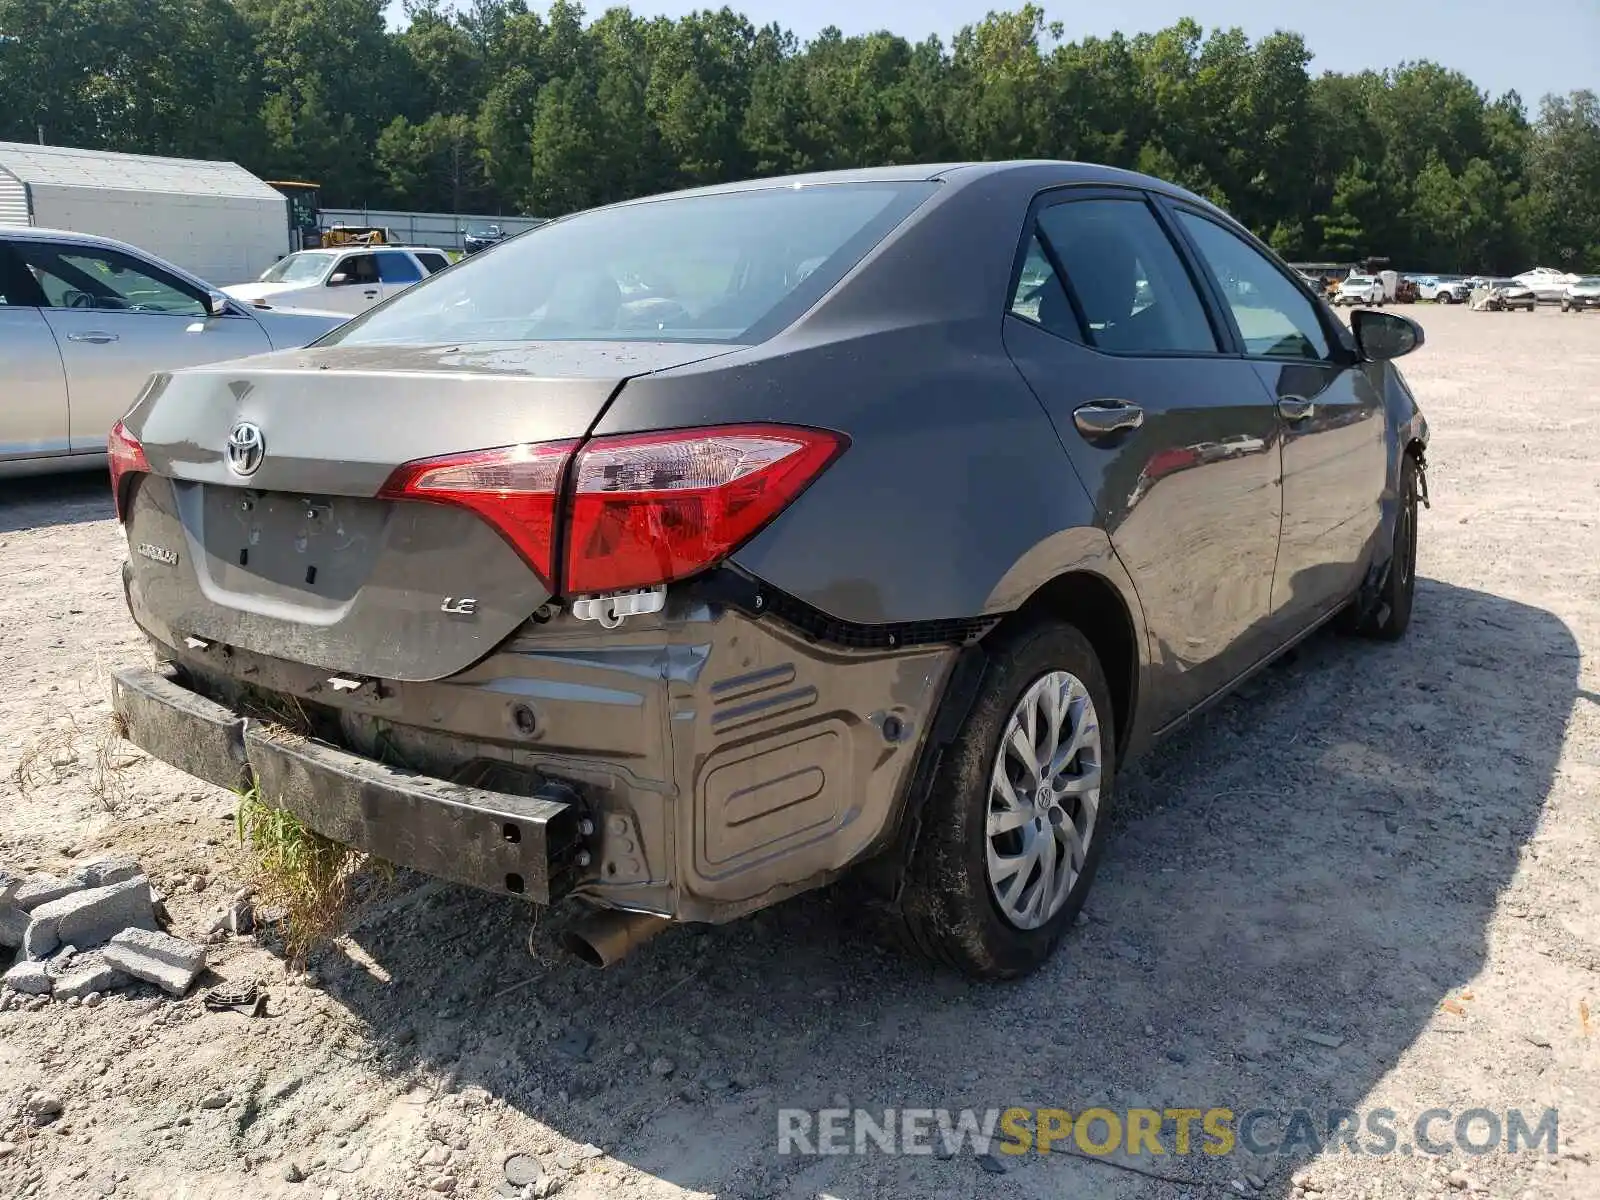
(29, 977)
(104, 871)
(101, 977)
(89, 917)
(170, 963)
(41, 889)
(13, 925)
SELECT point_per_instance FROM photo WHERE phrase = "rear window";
(733, 267)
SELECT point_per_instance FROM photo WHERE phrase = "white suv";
(350, 280)
(1359, 289)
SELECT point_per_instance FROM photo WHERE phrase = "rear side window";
(1275, 318)
(1039, 296)
(433, 262)
(1125, 278)
(397, 268)
(729, 267)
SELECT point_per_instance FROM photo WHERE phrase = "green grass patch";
(311, 877)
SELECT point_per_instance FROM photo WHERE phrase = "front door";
(353, 285)
(33, 381)
(1171, 434)
(118, 320)
(1335, 462)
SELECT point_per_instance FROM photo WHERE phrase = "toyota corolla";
(686, 554)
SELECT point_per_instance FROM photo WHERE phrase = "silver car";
(85, 320)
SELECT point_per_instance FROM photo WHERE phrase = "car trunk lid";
(301, 558)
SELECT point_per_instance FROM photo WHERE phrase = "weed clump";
(311, 877)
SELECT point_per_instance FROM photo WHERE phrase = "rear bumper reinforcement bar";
(500, 842)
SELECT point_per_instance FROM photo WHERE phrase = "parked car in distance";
(1444, 289)
(1507, 295)
(1581, 295)
(1359, 289)
(859, 536)
(349, 280)
(476, 240)
(1547, 284)
(85, 321)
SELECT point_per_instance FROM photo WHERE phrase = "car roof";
(39, 233)
(1060, 172)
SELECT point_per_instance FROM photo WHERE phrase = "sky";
(1532, 46)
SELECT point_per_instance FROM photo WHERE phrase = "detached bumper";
(500, 842)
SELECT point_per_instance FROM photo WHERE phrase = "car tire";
(951, 909)
(1391, 616)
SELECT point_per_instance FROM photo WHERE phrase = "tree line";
(492, 106)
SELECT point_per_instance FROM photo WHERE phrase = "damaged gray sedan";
(687, 554)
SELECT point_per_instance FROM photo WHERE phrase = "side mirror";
(339, 277)
(216, 303)
(1381, 336)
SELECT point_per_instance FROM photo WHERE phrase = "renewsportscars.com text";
(1153, 1132)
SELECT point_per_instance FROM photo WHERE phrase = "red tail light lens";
(126, 457)
(652, 508)
(513, 488)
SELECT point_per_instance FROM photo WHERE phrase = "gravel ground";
(1392, 849)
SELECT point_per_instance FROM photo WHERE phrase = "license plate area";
(312, 550)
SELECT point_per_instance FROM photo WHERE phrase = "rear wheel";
(1392, 615)
(1014, 824)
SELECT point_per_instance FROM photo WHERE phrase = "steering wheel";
(80, 300)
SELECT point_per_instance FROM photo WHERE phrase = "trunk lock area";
(612, 608)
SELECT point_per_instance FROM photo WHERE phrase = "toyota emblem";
(246, 448)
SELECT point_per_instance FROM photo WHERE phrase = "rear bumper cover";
(521, 845)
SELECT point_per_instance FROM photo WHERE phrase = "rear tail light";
(126, 457)
(514, 488)
(645, 509)
(652, 508)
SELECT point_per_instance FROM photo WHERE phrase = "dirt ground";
(1392, 848)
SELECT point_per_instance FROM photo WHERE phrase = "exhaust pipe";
(604, 938)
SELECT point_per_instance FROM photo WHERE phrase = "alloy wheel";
(1044, 799)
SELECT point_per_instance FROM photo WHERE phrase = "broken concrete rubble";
(81, 981)
(87, 918)
(102, 872)
(170, 963)
(30, 978)
(41, 889)
(13, 926)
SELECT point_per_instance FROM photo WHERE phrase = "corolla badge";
(247, 446)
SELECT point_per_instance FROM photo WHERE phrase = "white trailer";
(214, 219)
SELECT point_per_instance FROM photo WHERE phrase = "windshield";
(728, 267)
(300, 267)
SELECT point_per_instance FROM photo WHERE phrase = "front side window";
(397, 268)
(730, 267)
(355, 269)
(106, 280)
(1130, 287)
(1275, 318)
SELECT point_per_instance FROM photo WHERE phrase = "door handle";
(1295, 408)
(97, 337)
(1103, 418)
(372, 294)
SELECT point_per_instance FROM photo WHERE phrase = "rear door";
(1335, 461)
(119, 319)
(1166, 425)
(33, 399)
(397, 271)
